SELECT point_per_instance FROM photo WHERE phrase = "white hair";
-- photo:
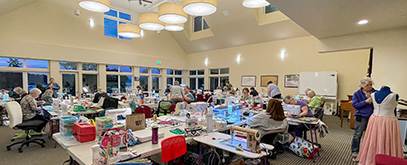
(364, 81)
(35, 91)
(176, 83)
(19, 90)
(48, 92)
(288, 98)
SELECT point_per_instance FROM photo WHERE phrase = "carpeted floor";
(335, 149)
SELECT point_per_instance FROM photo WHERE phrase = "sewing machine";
(113, 113)
(197, 107)
(293, 109)
(252, 138)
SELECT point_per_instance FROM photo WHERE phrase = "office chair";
(199, 97)
(16, 121)
(164, 108)
(144, 109)
(172, 148)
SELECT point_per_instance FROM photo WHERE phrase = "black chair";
(35, 124)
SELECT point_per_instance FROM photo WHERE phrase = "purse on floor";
(303, 148)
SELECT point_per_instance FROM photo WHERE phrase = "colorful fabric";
(303, 148)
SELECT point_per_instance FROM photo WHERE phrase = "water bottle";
(209, 120)
(154, 139)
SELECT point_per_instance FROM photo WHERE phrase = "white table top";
(83, 153)
(65, 144)
(208, 140)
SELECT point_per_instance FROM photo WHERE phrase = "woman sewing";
(246, 96)
(305, 112)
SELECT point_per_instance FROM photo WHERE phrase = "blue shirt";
(273, 90)
(361, 107)
(302, 104)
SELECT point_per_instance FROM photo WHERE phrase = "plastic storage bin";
(84, 132)
(102, 124)
(66, 125)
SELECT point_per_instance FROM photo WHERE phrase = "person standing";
(176, 93)
(273, 90)
(362, 102)
(54, 87)
(228, 86)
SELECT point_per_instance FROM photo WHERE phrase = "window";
(192, 72)
(192, 83)
(200, 24)
(214, 71)
(170, 81)
(125, 81)
(156, 83)
(11, 62)
(196, 79)
(144, 82)
(201, 72)
(89, 67)
(112, 19)
(90, 81)
(218, 77)
(143, 70)
(178, 72)
(201, 83)
(14, 79)
(224, 71)
(38, 64)
(214, 81)
(177, 76)
(112, 83)
(112, 68)
(269, 9)
(170, 72)
(37, 78)
(125, 69)
(68, 65)
(155, 71)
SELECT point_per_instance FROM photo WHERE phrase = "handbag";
(303, 148)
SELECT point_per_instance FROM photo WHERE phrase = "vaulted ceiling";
(10, 5)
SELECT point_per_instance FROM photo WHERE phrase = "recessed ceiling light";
(362, 22)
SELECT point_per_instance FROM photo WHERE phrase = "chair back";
(15, 113)
(208, 98)
(172, 107)
(144, 109)
(199, 97)
(164, 107)
(173, 147)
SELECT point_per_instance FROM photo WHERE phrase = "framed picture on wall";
(266, 78)
(248, 81)
(291, 81)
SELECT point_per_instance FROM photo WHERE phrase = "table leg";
(316, 140)
(200, 153)
(341, 117)
(312, 142)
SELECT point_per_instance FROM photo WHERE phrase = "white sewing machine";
(293, 109)
(113, 113)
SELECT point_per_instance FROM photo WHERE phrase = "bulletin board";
(266, 78)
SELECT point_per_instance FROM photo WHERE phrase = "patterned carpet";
(335, 149)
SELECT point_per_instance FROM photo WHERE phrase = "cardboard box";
(136, 121)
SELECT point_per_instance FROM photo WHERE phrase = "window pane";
(112, 83)
(125, 81)
(110, 28)
(90, 81)
(143, 70)
(223, 81)
(69, 84)
(206, 26)
(144, 82)
(112, 68)
(155, 71)
(125, 69)
(214, 71)
(178, 72)
(192, 72)
(156, 84)
(201, 83)
(197, 23)
(125, 16)
(170, 81)
(112, 13)
(224, 71)
(179, 79)
(270, 9)
(170, 71)
(37, 78)
(192, 83)
(201, 72)
(214, 83)
(124, 38)
(68, 65)
(14, 79)
(89, 67)
(11, 62)
(39, 64)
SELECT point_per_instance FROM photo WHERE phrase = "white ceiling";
(327, 18)
(135, 6)
(10, 5)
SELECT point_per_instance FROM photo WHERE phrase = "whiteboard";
(323, 83)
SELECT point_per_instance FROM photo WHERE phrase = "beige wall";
(48, 29)
(389, 55)
(301, 55)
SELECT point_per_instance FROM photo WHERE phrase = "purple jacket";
(361, 107)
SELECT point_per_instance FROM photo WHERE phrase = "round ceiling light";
(172, 13)
(149, 21)
(176, 27)
(255, 3)
(200, 7)
(129, 30)
(95, 5)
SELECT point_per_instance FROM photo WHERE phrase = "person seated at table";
(232, 92)
(188, 96)
(21, 92)
(271, 121)
(253, 92)
(29, 104)
(47, 97)
(246, 96)
(140, 90)
(314, 102)
(305, 112)
(176, 93)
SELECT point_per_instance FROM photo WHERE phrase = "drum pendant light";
(172, 13)
(149, 21)
(129, 30)
(174, 27)
(200, 7)
(95, 5)
(255, 3)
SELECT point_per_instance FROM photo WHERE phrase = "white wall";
(389, 55)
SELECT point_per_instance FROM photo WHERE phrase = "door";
(69, 83)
